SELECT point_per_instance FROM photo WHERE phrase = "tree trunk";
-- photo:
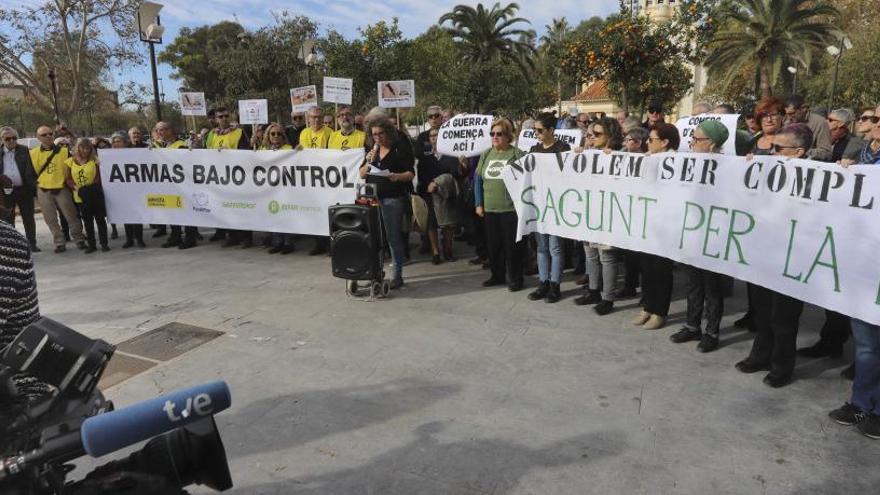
(764, 74)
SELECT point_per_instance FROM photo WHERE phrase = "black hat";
(655, 106)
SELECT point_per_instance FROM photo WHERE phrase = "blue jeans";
(392, 216)
(866, 385)
(549, 257)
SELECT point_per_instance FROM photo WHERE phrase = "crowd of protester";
(465, 199)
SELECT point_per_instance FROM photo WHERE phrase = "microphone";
(375, 161)
(118, 429)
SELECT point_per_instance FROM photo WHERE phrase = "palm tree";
(557, 33)
(490, 35)
(769, 32)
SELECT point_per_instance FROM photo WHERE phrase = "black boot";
(172, 241)
(589, 297)
(604, 307)
(540, 292)
(554, 295)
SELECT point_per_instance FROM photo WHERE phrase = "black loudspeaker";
(355, 242)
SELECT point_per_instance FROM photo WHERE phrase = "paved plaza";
(449, 388)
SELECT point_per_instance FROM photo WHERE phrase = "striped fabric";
(18, 309)
(18, 285)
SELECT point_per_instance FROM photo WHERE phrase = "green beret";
(715, 130)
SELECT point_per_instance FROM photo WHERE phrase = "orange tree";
(635, 57)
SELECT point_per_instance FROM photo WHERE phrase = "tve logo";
(200, 405)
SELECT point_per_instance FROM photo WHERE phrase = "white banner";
(337, 90)
(803, 228)
(465, 135)
(528, 138)
(397, 94)
(303, 98)
(253, 112)
(686, 126)
(193, 104)
(272, 191)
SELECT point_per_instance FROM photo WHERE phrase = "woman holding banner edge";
(705, 289)
(274, 139)
(550, 259)
(602, 260)
(657, 270)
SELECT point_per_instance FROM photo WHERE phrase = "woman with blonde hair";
(274, 138)
(84, 178)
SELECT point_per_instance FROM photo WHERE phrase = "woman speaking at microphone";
(391, 169)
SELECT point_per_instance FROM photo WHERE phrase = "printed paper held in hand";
(378, 172)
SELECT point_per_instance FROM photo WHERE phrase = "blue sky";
(415, 17)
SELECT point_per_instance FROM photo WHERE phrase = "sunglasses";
(298, 117)
(496, 134)
(655, 110)
(222, 116)
(762, 116)
(595, 134)
(777, 148)
(873, 120)
(10, 138)
(276, 134)
(434, 115)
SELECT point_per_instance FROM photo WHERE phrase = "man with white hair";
(701, 108)
(423, 142)
(18, 182)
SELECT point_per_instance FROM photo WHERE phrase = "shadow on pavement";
(428, 466)
(279, 423)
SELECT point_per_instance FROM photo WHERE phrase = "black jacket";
(25, 166)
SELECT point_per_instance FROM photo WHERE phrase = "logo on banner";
(200, 202)
(239, 205)
(274, 207)
(164, 201)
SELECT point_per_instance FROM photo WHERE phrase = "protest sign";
(273, 191)
(397, 94)
(253, 112)
(686, 126)
(193, 104)
(802, 228)
(465, 135)
(528, 138)
(303, 98)
(337, 90)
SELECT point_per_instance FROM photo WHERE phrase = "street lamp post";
(794, 72)
(151, 31)
(837, 52)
